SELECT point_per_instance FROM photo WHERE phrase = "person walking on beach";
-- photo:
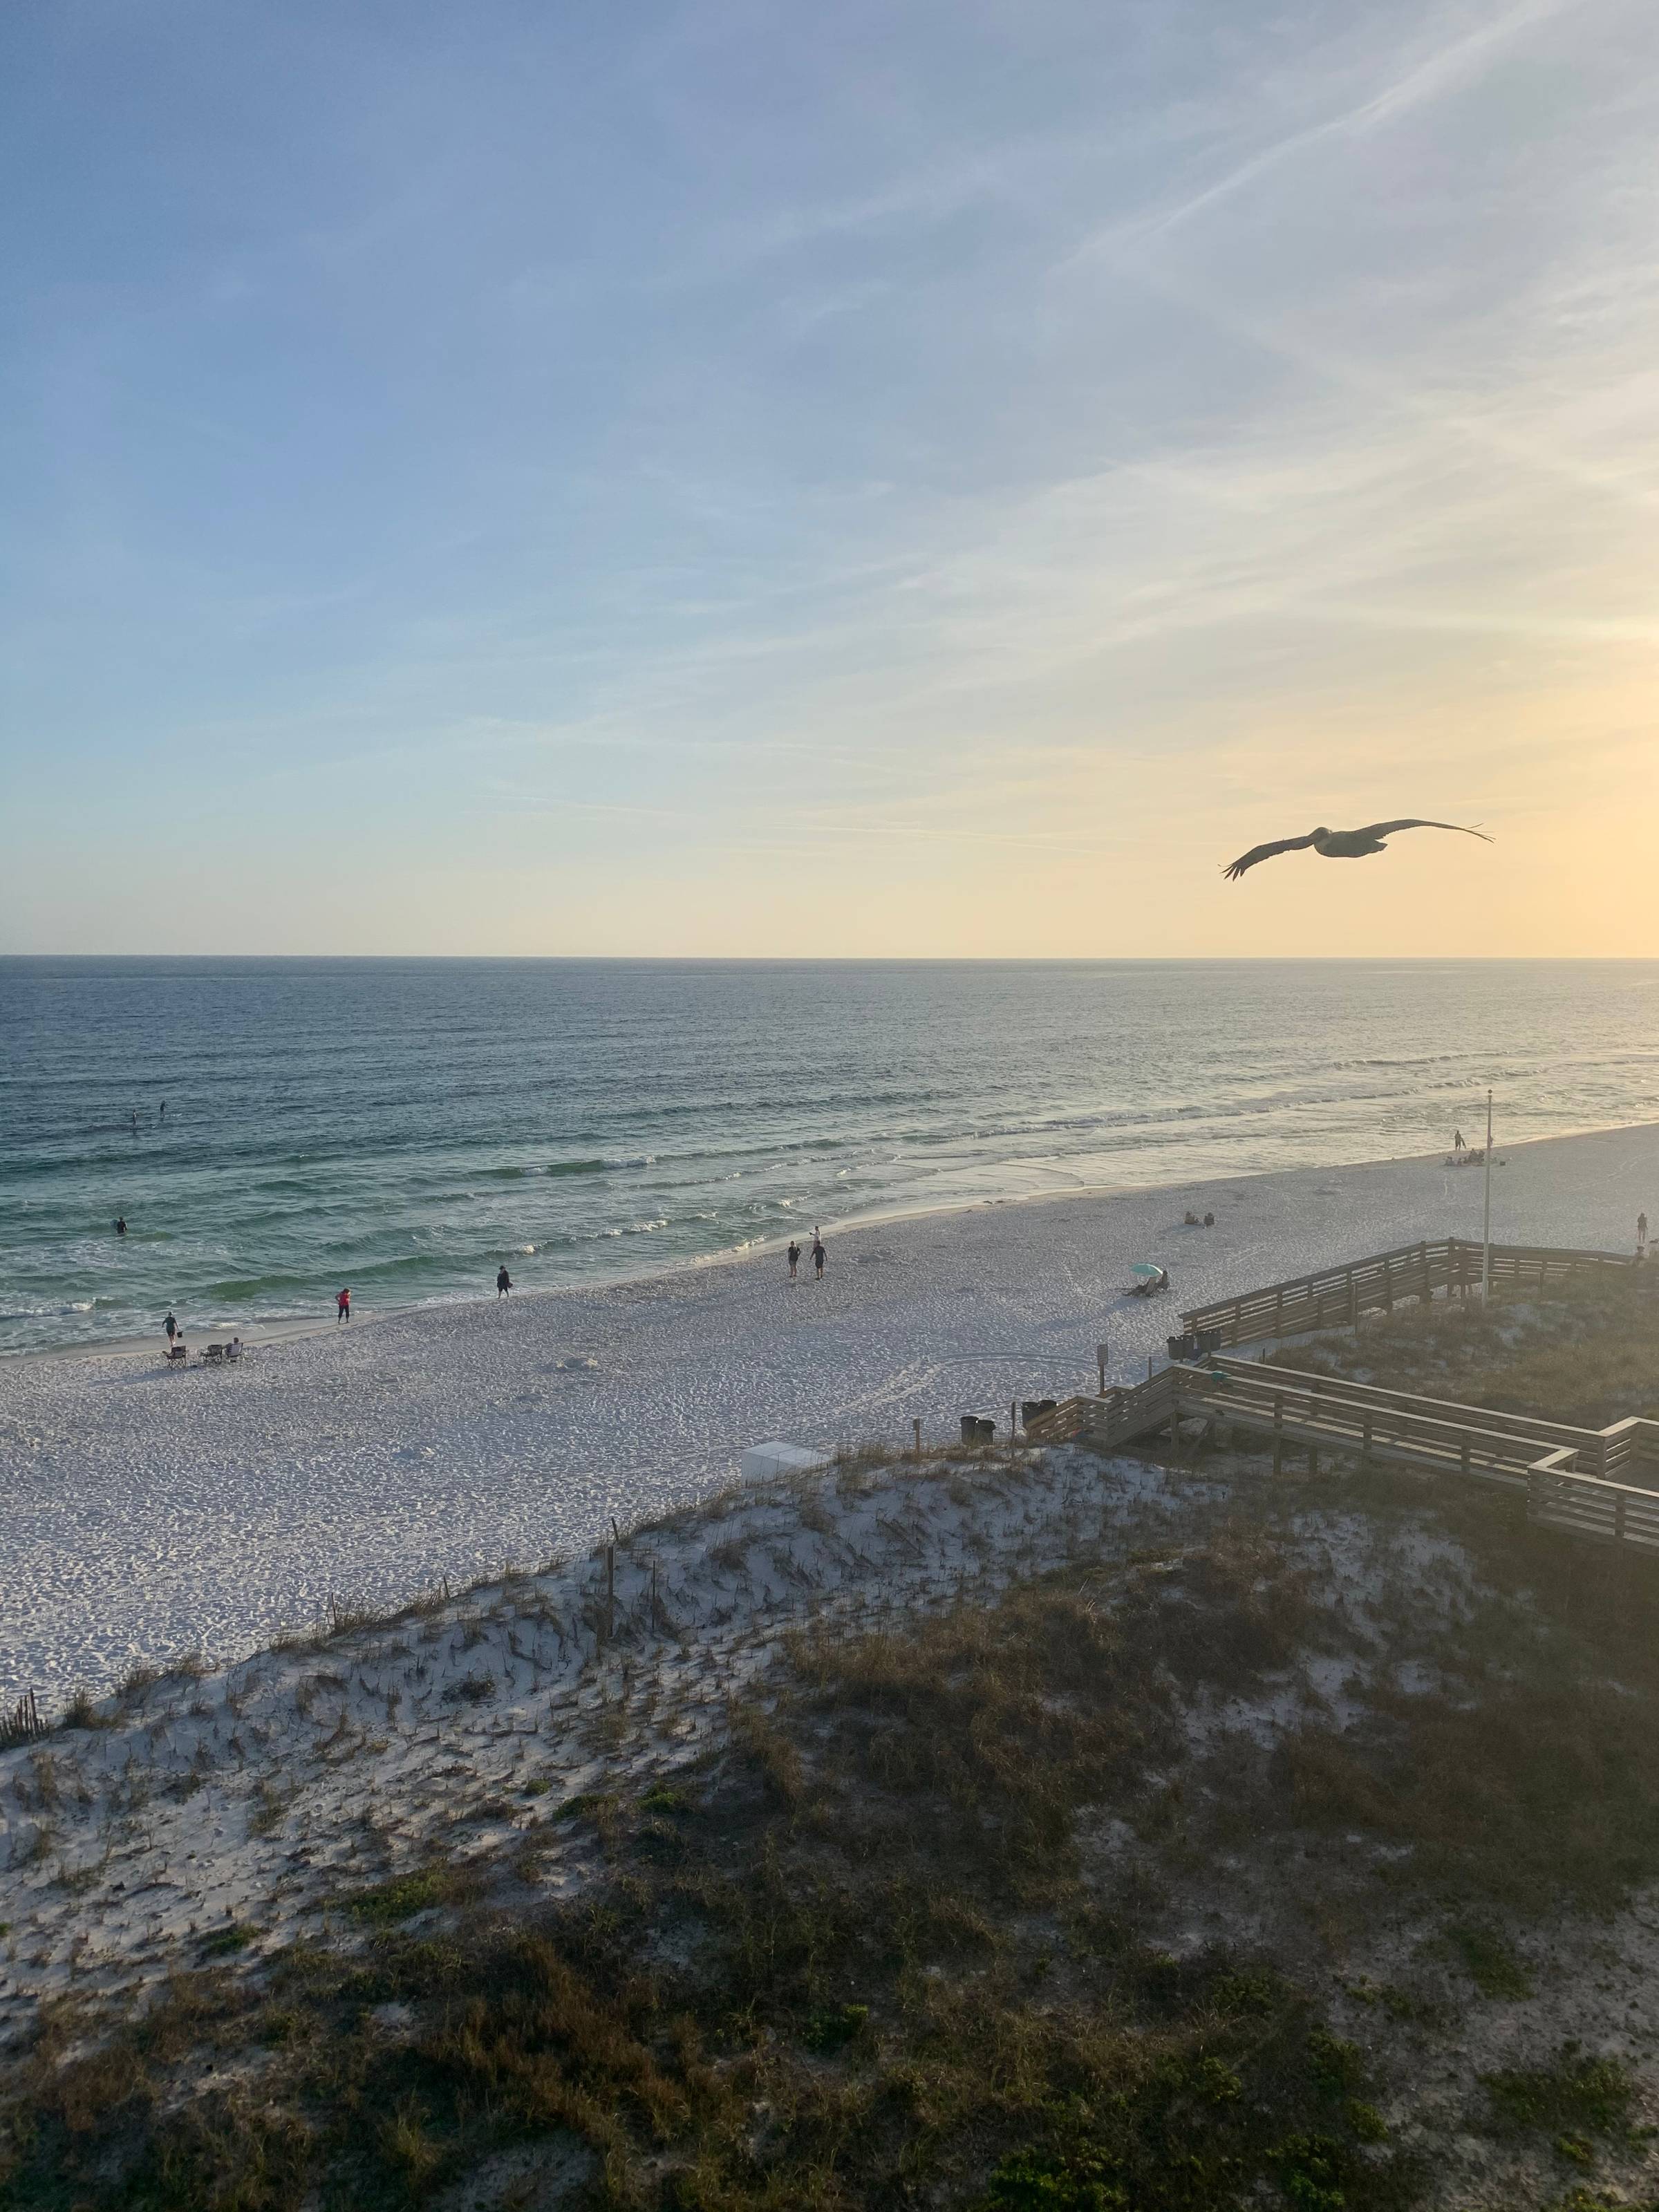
(503, 1281)
(818, 1254)
(794, 1258)
(342, 1307)
(171, 1326)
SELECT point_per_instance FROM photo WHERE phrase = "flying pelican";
(1345, 844)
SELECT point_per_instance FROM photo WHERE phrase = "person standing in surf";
(342, 1307)
(503, 1281)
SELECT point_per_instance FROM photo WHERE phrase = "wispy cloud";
(1443, 69)
(1050, 441)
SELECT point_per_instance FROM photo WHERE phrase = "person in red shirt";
(342, 1307)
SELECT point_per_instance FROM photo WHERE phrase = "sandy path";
(148, 1513)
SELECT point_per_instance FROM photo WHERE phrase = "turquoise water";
(405, 1126)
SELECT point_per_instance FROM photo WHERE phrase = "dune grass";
(869, 1956)
(858, 1961)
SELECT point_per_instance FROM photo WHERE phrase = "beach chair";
(214, 1354)
(177, 1353)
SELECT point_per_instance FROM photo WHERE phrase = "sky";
(937, 478)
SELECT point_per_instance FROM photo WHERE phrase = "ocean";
(406, 1126)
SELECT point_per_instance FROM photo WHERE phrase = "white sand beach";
(150, 1513)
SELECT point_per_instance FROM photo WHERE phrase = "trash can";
(970, 1428)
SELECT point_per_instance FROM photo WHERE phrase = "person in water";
(503, 1281)
(794, 1258)
(817, 1254)
(120, 1224)
(342, 1307)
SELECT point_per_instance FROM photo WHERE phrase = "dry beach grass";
(1011, 1830)
(1240, 1843)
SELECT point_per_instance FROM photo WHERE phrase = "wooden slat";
(1308, 1301)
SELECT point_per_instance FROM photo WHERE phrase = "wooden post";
(1365, 1440)
(1013, 1424)
(1388, 1285)
(1353, 1301)
(1428, 1287)
(1278, 1433)
(1463, 1453)
(915, 1429)
(610, 1591)
(1278, 1313)
(653, 1597)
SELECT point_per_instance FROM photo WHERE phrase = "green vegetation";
(1577, 2091)
(1491, 1960)
(585, 1805)
(400, 1899)
(224, 1943)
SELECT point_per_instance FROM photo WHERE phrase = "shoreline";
(296, 1328)
(153, 1512)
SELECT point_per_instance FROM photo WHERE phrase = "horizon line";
(861, 959)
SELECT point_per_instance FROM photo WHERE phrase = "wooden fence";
(22, 1724)
(1334, 1297)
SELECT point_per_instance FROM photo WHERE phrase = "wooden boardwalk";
(1335, 1297)
(1597, 1483)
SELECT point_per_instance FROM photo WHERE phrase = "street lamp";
(1486, 1226)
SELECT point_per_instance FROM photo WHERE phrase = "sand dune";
(149, 1513)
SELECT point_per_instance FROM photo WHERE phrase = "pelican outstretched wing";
(1266, 852)
(1387, 828)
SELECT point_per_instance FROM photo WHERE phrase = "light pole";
(1486, 1226)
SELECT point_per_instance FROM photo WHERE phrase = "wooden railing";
(1601, 1483)
(1334, 1297)
(1583, 1505)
